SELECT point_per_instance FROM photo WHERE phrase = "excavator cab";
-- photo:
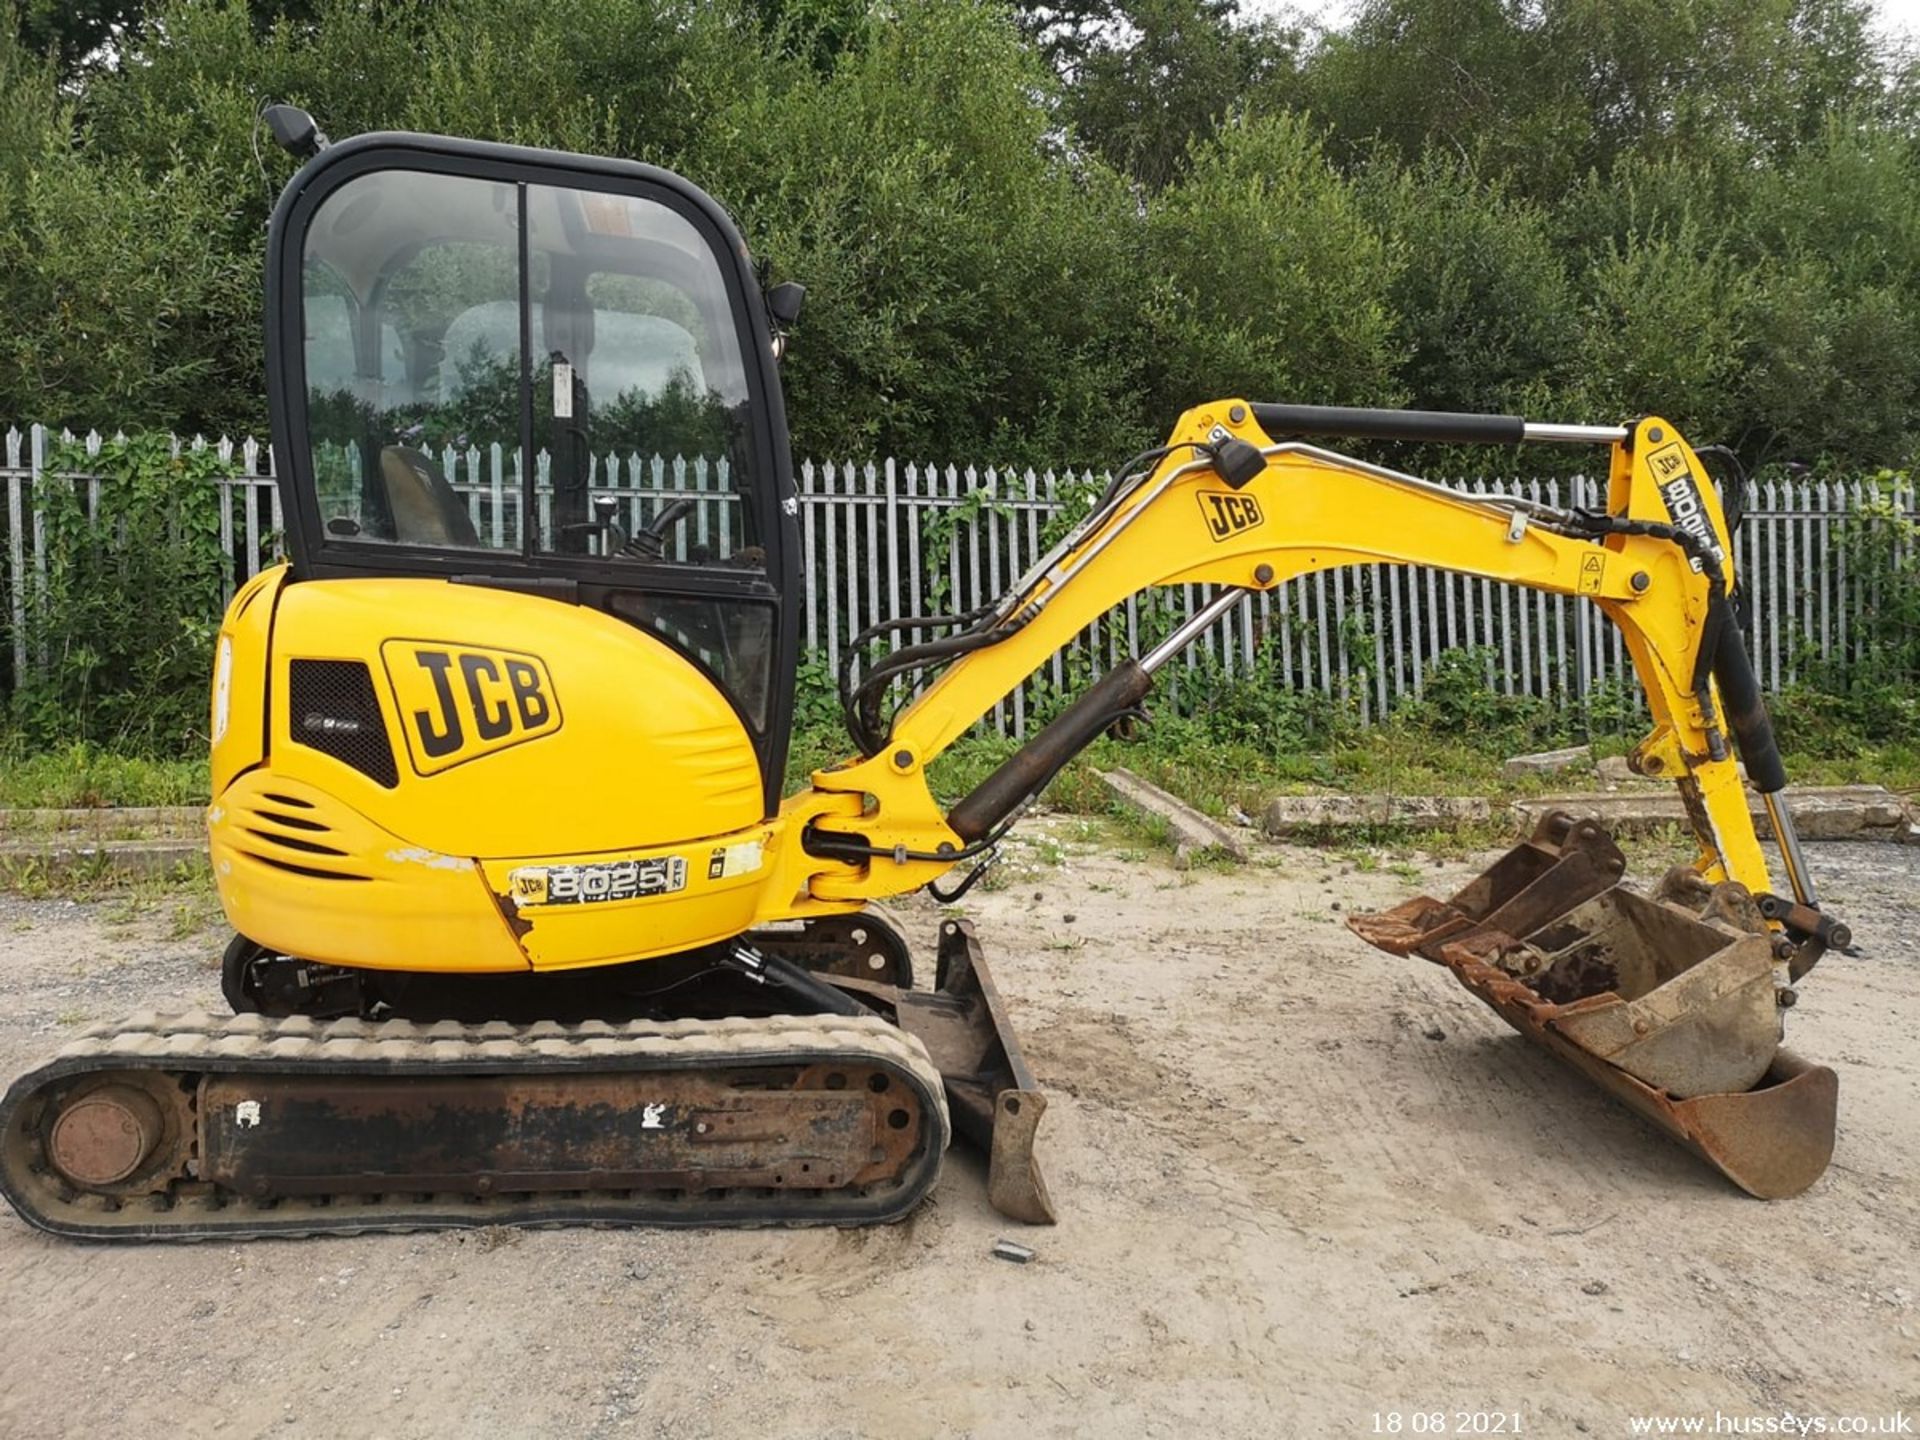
(540, 373)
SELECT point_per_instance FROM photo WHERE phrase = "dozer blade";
(1667, 1002)
(963, 1025)
(990, 1091)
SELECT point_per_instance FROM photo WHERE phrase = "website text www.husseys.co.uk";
(1782, 1422)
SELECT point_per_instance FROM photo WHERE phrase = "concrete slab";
(1291, 815)
(1192, 831)
(1547, 762)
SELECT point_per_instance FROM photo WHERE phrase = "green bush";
(1485, 305)
(124, 612)
(1458, 698)
(1872, 693)
(1267, 281)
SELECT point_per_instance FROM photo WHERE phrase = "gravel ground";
(1302, 1184)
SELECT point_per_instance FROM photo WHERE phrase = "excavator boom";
(1671, 1001)
(1291, 508)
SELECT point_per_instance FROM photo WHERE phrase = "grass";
(1410, 755)
(181, 899)
(185, 887)
(86, 777)
(1400, 757)
(184, 898)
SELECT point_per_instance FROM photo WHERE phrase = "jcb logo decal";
(1685, 505)
(1668, 464)
(1228, 513)
(459, 702)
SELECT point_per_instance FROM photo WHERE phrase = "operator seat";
(425, 508)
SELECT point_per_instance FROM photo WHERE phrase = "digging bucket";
(1667, 1001)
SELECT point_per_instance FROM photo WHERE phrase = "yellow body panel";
(526, 733)
(644, 748)
(378, 901)
(238, 720)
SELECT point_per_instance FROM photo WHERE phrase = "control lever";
(605, 507)
(650, 542)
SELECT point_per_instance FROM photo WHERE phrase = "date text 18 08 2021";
(1446, 1422)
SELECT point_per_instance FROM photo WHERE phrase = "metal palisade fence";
(883, 539)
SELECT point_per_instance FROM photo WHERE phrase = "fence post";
(223, 491)
(37, 444)
(16, 554)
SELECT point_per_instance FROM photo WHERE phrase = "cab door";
(542, 373)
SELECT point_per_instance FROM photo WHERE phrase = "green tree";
(970, 285)
(1834, 348)
(1483, 299)
(126, 310)
(1039, 233)
(1544, 91)
(1268, 280)
(1664, 318)
(78, 34)
(34, 120)
(1158, 75)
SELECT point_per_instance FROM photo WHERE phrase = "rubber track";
(200, 1043)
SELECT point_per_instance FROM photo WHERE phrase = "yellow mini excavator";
(526, 931)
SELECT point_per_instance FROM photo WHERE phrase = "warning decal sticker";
(1593, 572)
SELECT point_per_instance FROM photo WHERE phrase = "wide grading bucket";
(1667, 1001)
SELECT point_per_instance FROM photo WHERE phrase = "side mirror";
(293, 131)
(784, 300)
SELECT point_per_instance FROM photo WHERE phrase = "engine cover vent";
(332, 709)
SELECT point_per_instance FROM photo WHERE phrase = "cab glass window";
(632, 379)
(413, 364)
(639, 390)
(550, 374)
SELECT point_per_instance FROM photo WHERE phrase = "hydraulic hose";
(1747, 711)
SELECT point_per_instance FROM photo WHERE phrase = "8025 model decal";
(1681, 495)
(603, 881)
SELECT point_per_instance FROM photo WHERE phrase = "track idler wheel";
(1668, 1002)
(115, 1134)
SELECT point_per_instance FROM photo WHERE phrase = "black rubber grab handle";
(1747, 712)
(1438, 427)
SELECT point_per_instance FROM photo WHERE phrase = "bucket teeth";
(1666, 1001)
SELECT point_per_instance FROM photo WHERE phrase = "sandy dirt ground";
(1302, 1184)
